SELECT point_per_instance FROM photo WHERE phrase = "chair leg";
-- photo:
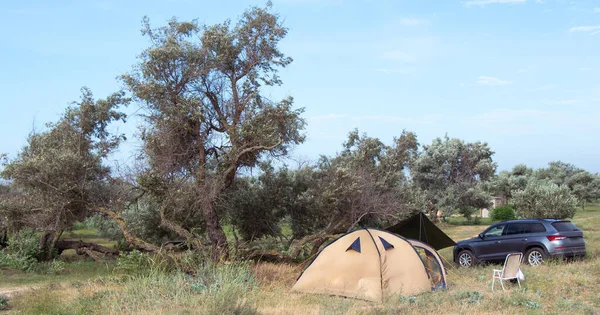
(519, 282)
(493, 281)
(502, 284)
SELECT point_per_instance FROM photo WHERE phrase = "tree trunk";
(44, 246)
(220, 248)
(218, 240)
(177, 229)
(53, 242)
(433, 211)
(131, 239)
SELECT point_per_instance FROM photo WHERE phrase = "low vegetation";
(160, 284)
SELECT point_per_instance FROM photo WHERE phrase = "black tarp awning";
(418, 227)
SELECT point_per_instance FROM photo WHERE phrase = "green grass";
(74, 271)
(554, 288)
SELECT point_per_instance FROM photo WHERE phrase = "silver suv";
(537, 239)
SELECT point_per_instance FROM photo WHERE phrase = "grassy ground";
(555, 288)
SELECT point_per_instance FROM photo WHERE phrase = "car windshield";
(495, 231)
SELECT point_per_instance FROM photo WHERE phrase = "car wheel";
(535, 256)
(466, 258)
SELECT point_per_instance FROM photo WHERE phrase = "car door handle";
(524, 240)
(497, 242)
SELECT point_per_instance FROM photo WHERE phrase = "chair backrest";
(511, 265)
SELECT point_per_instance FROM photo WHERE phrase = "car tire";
(465, 258)
(535, 256)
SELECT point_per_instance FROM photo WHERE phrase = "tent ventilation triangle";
(355, 245)
(386, 244)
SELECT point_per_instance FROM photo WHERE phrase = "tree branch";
(131, 239)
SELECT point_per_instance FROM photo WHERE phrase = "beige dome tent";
(371, 264)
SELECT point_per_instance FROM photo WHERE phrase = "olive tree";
(450, 173)
(364, 184)
(544, 199)
(59, 175)
(202, 88)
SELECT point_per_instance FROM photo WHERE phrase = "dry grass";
(556, 288)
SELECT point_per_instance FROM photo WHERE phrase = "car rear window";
(564, 226)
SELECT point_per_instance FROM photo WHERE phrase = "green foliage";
(503, 213)
(210, 278)
(56, 267)
(543, 199)
(471, 297)
(3, 303)
(212, 118)
(522, 301)
(22, 252)
(226, 284)
(508, 182)
(135, 263)
(467, 212)
(60, 170)
(143, 220)
(451, 174)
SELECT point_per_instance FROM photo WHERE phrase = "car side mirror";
(481, 236)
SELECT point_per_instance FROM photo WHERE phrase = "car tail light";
(555, 238)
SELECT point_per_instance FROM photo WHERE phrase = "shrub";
(55, 267)
(503, 213)
(467, 212)
(22, 252)
(3, 303)
(542, 199)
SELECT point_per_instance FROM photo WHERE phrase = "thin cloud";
(413, 21)
(596, 10)
(589, 28)
(491, 81)
(567, 102)
(482, 3)
(27, 12)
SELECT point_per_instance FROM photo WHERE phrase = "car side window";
(536, 228)
(495, 231)
(524, 228)
(514, 228)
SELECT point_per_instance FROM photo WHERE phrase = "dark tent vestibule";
(419, 227)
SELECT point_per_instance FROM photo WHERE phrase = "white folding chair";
(511, 269)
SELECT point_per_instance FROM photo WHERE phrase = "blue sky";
(522, 75)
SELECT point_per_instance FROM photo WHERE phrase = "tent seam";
(380, 268)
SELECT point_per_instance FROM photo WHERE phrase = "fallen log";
(83, 248)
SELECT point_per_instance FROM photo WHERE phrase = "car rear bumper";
(569, 251)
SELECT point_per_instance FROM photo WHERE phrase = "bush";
(545, 200)
(3, 303)
(503, 213)
(22, 252)
(467, 212)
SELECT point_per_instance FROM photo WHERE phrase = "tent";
(371, 264)
(420, 228)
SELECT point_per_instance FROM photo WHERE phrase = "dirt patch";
(12, 291)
